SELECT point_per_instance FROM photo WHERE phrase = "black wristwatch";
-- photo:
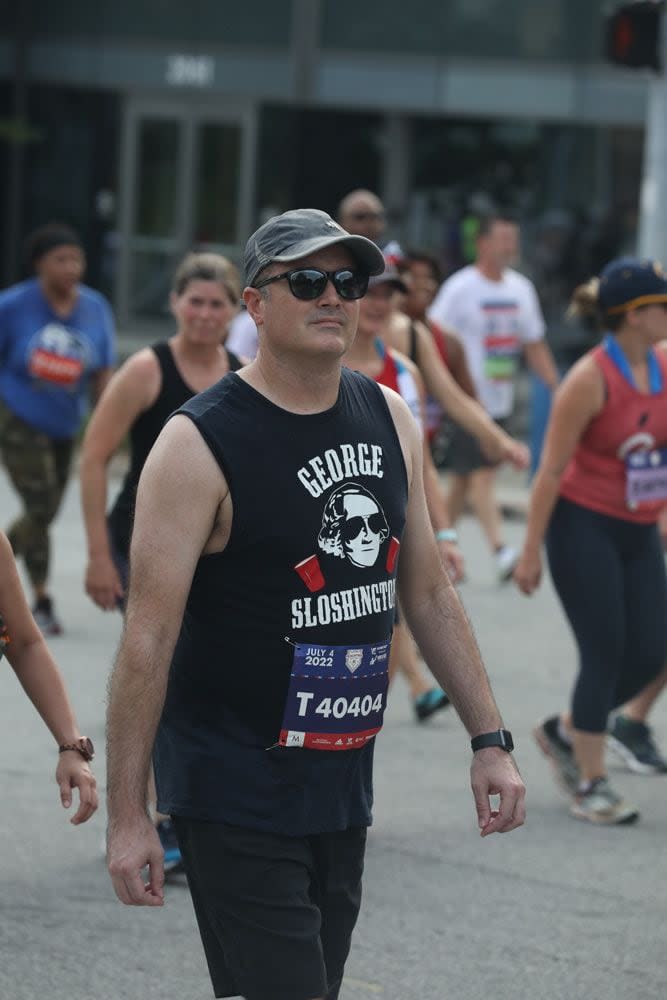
(500, 738)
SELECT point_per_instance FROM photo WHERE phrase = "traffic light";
(633, 35)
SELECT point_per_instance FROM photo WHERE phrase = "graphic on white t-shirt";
(493, 319)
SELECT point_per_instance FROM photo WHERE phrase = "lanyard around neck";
(615, 352)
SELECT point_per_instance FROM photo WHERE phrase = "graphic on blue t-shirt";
(57, 356)
(47, 360)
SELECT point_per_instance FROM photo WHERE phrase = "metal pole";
(305, 42)
(653, 202)
(16, 152)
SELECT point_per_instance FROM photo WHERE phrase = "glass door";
(216, 185)
(187, 184)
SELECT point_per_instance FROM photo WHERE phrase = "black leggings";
(610, 578)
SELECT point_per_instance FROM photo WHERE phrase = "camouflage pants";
(38, 467)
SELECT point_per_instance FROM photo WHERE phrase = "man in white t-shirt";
(242, 338)
(497, 315)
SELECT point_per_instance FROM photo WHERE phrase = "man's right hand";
(103, 584)
(131, 847)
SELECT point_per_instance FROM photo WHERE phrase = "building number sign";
(190, 71)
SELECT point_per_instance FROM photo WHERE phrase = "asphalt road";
(555, 910)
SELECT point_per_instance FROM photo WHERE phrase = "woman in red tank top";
(370, 355)
(598, 494)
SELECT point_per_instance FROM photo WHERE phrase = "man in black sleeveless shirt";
(267, 549)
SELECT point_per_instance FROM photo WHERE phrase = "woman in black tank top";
(139, 398)
(147, 388)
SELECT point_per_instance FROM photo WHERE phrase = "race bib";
(646, 477)
(501, 354)
(337, 696)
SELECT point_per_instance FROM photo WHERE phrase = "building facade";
(155, 127)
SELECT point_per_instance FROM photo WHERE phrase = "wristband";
(447, 535)
(84, 746)
(499, 738)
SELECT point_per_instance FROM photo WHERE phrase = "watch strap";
(83, 746)
(498, 738)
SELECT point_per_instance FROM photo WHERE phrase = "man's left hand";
(493, 772)
(133, 847)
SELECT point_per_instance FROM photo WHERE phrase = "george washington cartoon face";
(353, 526)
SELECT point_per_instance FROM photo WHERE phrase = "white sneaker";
(506, 560)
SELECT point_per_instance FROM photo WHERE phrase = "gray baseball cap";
(292, 235)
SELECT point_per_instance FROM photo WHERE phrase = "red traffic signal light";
(634, 35)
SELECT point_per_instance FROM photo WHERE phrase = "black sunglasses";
(355, 525)
(308, 283)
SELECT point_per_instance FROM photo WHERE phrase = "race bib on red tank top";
(646, 477)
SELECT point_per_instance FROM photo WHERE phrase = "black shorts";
(464, 454)
(275, 913)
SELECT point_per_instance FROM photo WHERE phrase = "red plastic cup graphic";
(392, 554)
(311, 574)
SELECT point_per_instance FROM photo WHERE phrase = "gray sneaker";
(601, 804)
(559, 754)
(632, 742)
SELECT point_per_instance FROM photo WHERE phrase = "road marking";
(363, 985)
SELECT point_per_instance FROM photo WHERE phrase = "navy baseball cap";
(627, 283)
(289, 237)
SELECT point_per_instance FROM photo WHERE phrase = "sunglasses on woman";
(308, 283)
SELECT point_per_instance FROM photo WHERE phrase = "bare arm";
(540, 359)
(462, 408)
(183, 510)
(41, 680)
(99, 381)
(437, 621)
(435, 499)
(458, 364)
(133, 388)
(577, 401)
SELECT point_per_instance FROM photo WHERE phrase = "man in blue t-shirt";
(57, 348)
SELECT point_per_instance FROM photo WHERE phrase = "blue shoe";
(173, 862)
(429, 703)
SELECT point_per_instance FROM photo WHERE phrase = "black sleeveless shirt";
(294, 571)
(174, 391)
